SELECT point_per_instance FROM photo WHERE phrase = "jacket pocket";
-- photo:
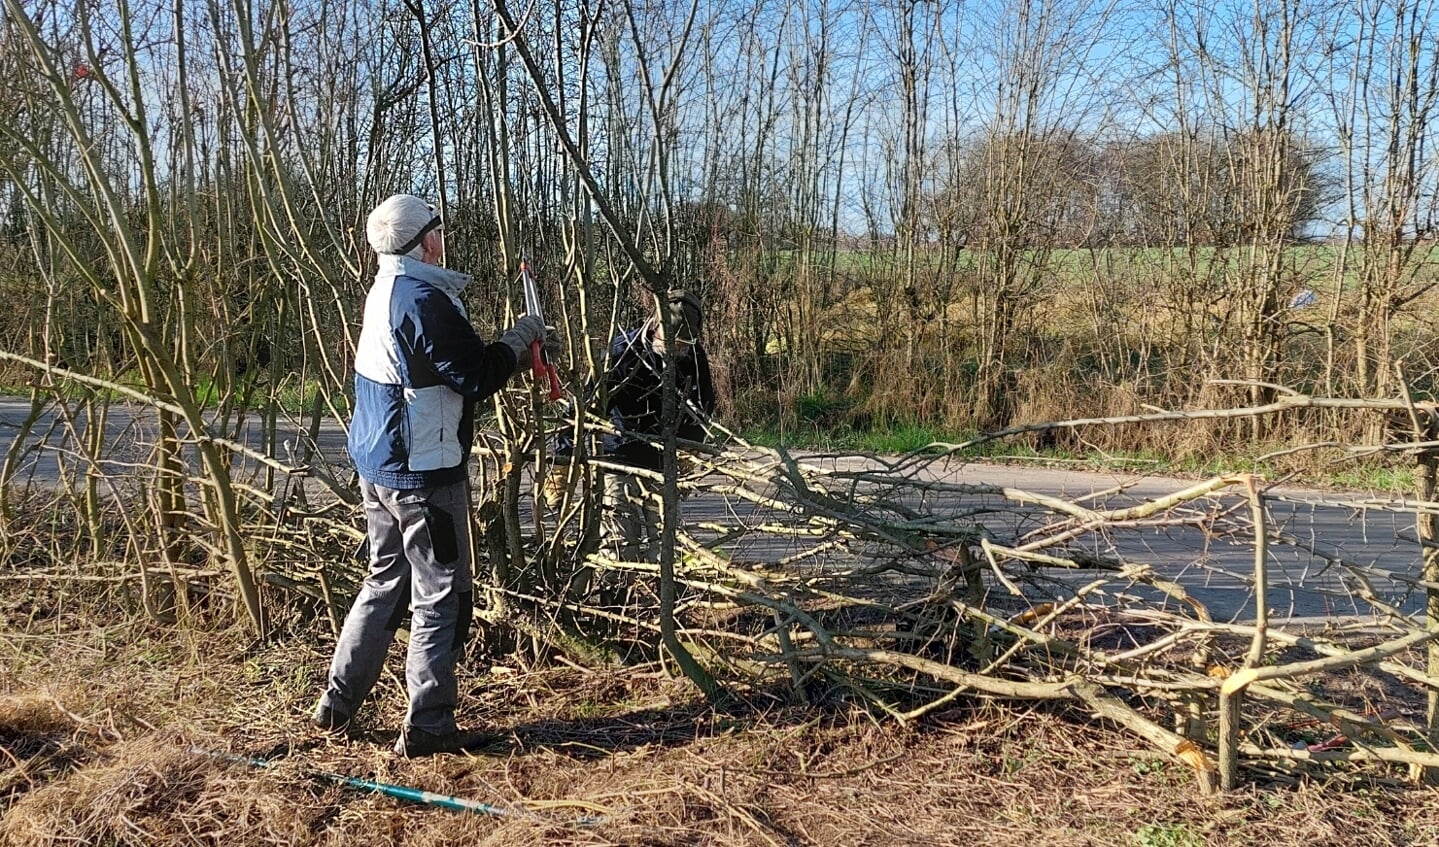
(433, 415)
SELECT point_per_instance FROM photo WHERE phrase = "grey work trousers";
(632, 518)
(420, 559)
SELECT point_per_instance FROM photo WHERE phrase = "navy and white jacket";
(419, 370)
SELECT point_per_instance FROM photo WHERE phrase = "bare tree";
(133, 230)
(1033, 115)
(1385, 116)
(657, 60)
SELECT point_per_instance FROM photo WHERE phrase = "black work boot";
(330, 721)
(414, 743)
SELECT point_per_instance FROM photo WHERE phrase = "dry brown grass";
(96, 722)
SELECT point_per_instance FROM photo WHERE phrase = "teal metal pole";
(401, 792)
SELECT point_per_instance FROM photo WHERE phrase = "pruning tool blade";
(543, 367)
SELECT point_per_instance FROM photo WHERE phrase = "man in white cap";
(420, 368)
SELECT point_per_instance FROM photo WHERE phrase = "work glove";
(687, 465)
(518, 337)
(554, 485)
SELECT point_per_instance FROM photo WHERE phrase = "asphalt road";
(1329, 536)
(1321, 542)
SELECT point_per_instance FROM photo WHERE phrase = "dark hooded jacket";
(634, 379)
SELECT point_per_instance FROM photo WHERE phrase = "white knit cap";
(400, 221)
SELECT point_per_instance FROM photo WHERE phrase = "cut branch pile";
(912, 591)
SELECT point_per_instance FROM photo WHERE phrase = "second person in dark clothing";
(633, 379)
